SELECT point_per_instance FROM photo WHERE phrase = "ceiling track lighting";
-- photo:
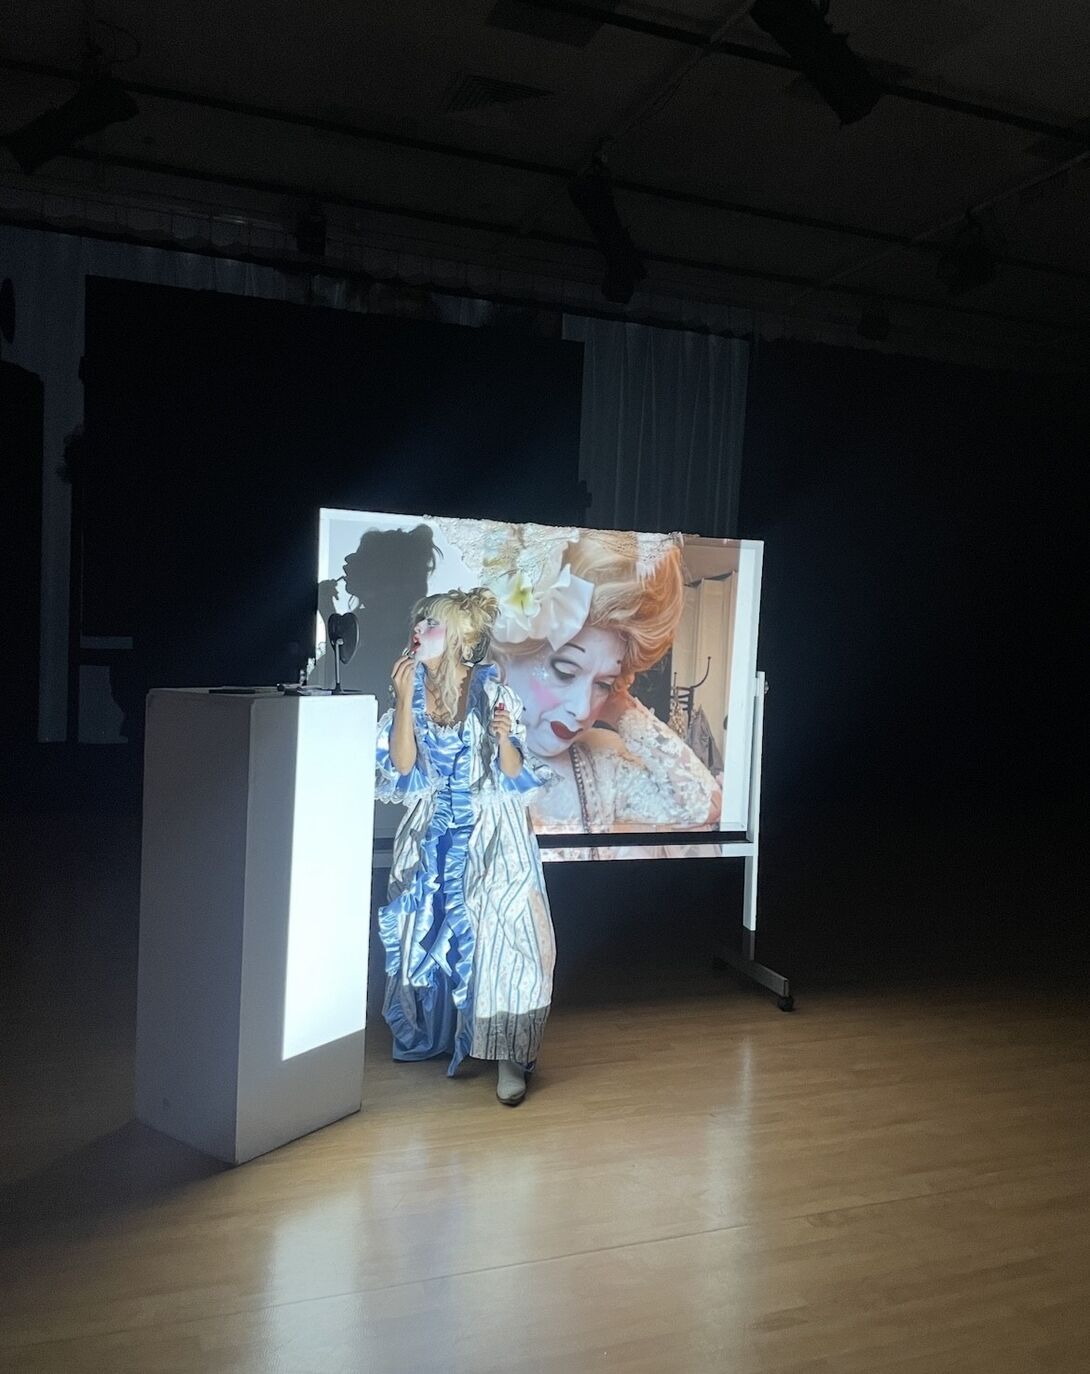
(592, 195)
(874, 322)
(99, 102)
(311, 230)
(841, 78)
(968, 261)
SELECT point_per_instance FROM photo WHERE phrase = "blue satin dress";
(467, 930)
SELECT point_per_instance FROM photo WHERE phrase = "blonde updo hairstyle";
(468, 618)
(644, 610)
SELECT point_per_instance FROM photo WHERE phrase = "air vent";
(552, 25)
(479, 92)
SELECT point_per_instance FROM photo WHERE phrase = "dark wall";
(216, 426)
(918, 627)
(921, 551)
(21, 400)
(922, 648)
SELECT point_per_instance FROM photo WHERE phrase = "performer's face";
(428, 640)
(563, 690)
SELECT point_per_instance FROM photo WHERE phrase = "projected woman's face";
(562, 690)
(428, 640)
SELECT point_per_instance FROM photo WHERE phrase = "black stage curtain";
(218, 425)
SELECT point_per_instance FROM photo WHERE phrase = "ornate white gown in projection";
(641, 777)
(466, 927)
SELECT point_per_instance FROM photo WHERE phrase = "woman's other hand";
(509, 754)
(402, 680)
(501, 722)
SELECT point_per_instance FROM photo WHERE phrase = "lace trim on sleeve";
(392, 786)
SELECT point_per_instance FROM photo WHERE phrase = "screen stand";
(742, 959)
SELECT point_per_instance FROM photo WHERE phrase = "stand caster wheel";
(786, 1003)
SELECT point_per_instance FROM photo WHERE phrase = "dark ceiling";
(450, 128)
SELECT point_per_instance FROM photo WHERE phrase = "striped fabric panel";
(505, 896)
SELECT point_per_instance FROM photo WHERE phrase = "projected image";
(631, 653)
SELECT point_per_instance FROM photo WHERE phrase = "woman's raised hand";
(501, 722)
(402, 680)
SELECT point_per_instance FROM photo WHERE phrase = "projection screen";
(635, 656)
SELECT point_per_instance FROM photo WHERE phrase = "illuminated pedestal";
(254, 915)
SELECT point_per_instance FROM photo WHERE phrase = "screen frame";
(737, 738)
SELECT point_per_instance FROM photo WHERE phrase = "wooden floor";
(888, 1179)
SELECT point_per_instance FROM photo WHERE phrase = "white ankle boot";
(510, 1082)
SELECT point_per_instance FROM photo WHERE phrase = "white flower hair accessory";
(539, 596)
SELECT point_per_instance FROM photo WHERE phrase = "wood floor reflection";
(888, 1179)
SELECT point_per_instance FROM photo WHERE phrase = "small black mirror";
(343, 633)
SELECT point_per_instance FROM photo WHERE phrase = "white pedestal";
(254, 916)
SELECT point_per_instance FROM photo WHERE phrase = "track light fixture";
(967, 261)
(99, 102)
(874, 322)
(310, 231)
(592, 195)
(841, 78)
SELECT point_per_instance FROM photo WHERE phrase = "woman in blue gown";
(466, 927)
